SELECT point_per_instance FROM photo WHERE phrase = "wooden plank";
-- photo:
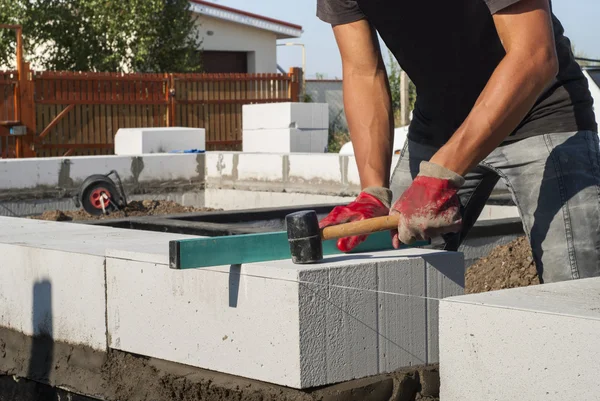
(250, 248)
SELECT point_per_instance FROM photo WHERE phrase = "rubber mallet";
(306, 238)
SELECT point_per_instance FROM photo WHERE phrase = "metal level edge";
(263, 247)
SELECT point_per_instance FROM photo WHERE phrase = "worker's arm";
(367, 101)
(525, 29)
(430, 206)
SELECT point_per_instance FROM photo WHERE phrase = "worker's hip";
(554, 181)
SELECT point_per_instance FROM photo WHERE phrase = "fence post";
(296, 75)
(171, 106)
(24, 144)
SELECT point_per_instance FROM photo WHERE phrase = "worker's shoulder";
(338, 12)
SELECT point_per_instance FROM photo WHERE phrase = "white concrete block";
(220, 164)
(139, 141)
(284, 140)
(535, 343)
(260, 167)
(318, 141)
(285, 116)
(336, 325)
(323, 168)
(47, 172)
(268, 140)
(232, 199)
(301, 141)
(81, 238)
(55, 293)
(29, 173)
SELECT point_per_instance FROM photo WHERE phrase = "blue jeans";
(554, 180)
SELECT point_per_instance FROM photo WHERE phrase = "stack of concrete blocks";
(286, 128)
(141, 141)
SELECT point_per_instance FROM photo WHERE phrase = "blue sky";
(581, 19)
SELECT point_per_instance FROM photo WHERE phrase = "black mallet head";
(304, 237)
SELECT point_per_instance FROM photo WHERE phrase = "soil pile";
(507, 266)
(133, 209)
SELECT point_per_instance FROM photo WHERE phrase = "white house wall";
(228, 36)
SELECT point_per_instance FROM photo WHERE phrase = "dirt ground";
(507, 266)
(133, 209)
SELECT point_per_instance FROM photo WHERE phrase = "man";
(499, 95)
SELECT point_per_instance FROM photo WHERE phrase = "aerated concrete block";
(52, 276)
(284, 140)
(139, 141)
(349, 317)
(285, 115)
(54, 293)
(534, 343)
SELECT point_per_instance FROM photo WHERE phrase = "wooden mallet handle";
(363, 227)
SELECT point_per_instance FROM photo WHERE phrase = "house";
(235, 41)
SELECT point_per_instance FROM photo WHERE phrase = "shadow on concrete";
(42, 348)
(234, 285)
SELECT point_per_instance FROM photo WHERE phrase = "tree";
(105, 35)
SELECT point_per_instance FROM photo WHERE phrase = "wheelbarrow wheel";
(98, 195)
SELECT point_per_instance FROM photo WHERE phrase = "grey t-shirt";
(450, 48)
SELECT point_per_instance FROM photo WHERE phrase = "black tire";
(90, 192)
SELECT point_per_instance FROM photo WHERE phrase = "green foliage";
(394, 72)
(104, 35)
(338, 134)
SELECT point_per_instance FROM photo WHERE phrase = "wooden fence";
(80, 113)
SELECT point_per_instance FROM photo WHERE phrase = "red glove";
(372, 202)
(430, 207)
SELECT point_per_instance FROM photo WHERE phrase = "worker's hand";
(429, 207)
(372, 202)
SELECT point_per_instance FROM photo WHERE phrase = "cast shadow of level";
(42, 346)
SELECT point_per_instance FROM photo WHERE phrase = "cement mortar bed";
(123, 376)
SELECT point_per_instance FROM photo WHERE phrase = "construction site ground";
(506, 266)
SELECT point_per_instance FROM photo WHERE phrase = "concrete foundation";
(534, 343)
(350, 317)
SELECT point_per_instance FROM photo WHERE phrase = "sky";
(580, 18)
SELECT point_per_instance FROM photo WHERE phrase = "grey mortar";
(234, 169)
(201, 167)
(285, 173)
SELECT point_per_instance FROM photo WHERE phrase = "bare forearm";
(509, 95)
(370, 120)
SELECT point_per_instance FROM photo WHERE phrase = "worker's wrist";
(428, 169)
(384, 195)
